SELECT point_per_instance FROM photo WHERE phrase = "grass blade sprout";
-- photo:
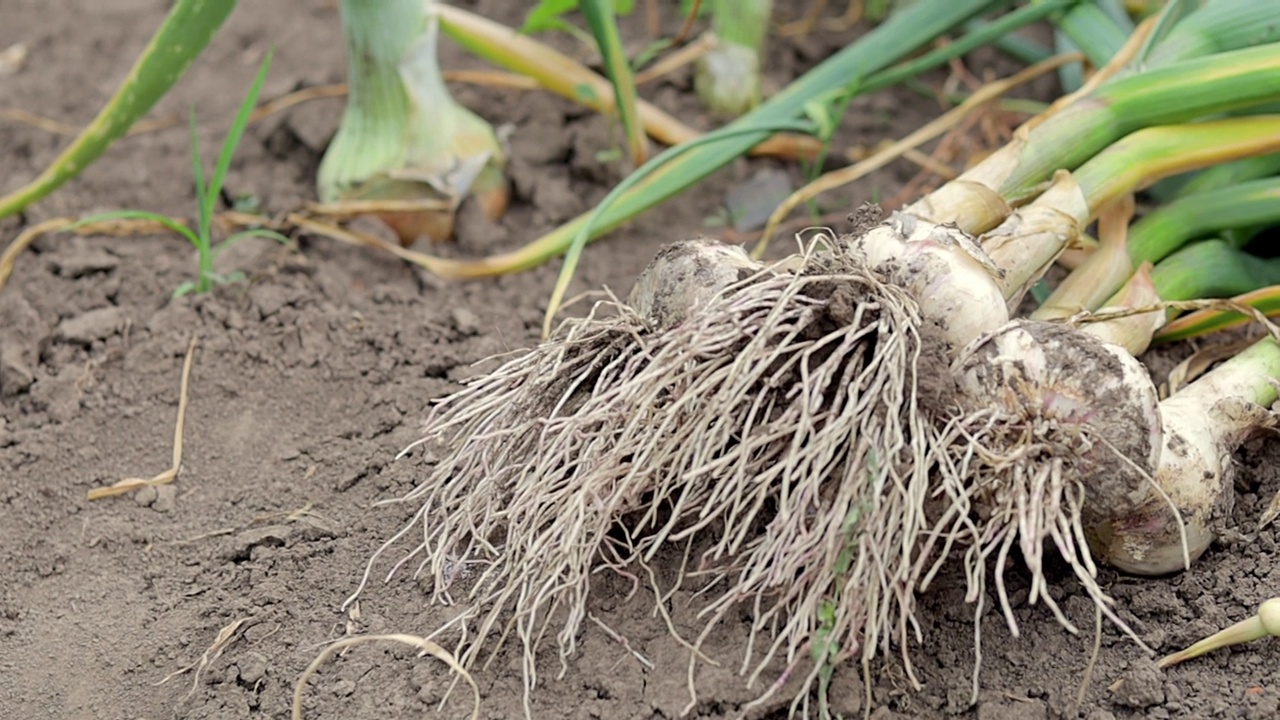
(617, 66)
(208, 194)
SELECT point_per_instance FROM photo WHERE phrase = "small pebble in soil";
(83, 261)
(344, 688)
(556, 200)
(253, 667)
(475, 232)
(313, 129)
(268, 299)
(235, 320)
(15, 374)
(98, 324)
(524, 178)
(166, 498)
(146, 497)
(21, 333)
(750, 203)
(241, 547)
(543, 141)
(465, 321)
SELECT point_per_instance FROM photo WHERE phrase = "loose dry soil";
(314, 373)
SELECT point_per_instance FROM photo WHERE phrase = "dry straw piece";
(225, 637)
(171, 474)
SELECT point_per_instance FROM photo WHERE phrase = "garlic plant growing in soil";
(727, 78)
(406, 151)
(788, 429)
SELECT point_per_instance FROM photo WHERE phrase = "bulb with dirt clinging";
(686, 275)
(1204, 423)
(1097, 397)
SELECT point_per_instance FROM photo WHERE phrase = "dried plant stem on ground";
(226, 636)
(772, 415)
(424, 645)
(171, 474)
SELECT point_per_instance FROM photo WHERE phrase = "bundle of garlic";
(818, 436)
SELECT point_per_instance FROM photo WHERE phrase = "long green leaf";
(1173, 12)
(1169, 94)
(1218, 176)
(229, 144)
(1215, 27)
(1212, 269)
(183, 35)
(979, 35)
(617, 68)
(1168, 228)
(1229, 174)
(1098, 29)
(1136, 160)
(197, 170)
(1023, 49)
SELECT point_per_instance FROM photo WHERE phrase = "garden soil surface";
(311, 375)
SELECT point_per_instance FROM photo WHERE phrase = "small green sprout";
(208, 191)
